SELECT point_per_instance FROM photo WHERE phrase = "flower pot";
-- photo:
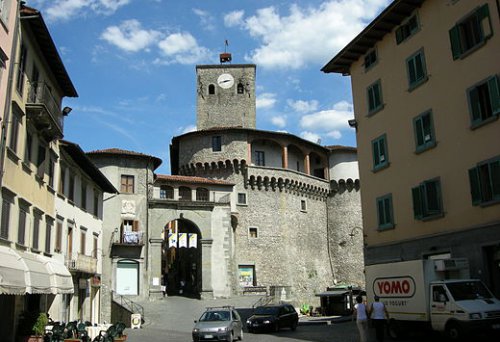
(120, 339)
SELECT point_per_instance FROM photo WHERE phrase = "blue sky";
(133, 65)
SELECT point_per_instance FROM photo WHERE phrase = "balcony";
(82, 263)
(129, 238)
(45, 111)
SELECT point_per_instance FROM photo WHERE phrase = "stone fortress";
(244, 211)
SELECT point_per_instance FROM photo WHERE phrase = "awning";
(12, 272)
(60, 278)
(335, 293)
(38, 275)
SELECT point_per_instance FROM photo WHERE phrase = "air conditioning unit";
(451, 264)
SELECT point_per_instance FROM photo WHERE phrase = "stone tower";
(225, 96)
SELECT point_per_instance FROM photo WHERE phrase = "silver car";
(218, 324)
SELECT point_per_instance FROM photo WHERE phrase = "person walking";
(379, 314)
(360, 314)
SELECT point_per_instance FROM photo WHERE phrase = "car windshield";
(213, 316)
(266, 310)
(469, 290)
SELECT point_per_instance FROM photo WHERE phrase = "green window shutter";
(417, 203)
(376, 154)
(411, 71)
(456, 48)
(483, 14)
(475, 186)
(494, 92)
(376, 94)
(475, 105)
(419, 66)
(419, 131)
(388, 210)
(382, 150)
(371, 104)
(495, 179)
(380, 207)
(399, 35)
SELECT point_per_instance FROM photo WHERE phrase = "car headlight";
(196, 330)
(475, 315)
(225, 329)
(266, 321)
(249, 322)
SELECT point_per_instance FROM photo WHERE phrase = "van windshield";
(468, 290)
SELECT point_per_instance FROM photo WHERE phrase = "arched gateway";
(181, 259)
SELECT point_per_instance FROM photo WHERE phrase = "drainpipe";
(8, 97)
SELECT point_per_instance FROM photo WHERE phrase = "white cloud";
(234, 18)
(266, 100)
(206, 19)
(331, 122)
(303, 106)
(182, 48)
(314, 137)
(66, 9)
(279, 121)
(305, 34)
(130, 36)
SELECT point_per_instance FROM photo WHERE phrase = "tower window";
(240, 88)
(217, 143)
(252, 232)
(211, 89)
(260, 159)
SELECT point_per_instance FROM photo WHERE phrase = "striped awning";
(12, 272)
(23, 272)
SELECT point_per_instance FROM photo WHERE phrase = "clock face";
(225, 81)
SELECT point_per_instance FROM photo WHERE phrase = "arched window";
(202, 194)
(240, 88)
(211, 89)
(184, 193)
(166, 192)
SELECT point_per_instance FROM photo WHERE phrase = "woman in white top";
(379, 313)
(361, 315)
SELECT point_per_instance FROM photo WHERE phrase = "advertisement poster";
(246, 276)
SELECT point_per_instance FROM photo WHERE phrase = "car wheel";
(240, 338)
(294, 326)
(454, 331)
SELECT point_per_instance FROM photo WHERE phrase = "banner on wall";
(172, 240)
(193, 240)
(183, 240)
(246, 275)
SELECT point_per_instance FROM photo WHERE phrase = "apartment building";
(8, 31)
(31, 263)
(425, 84)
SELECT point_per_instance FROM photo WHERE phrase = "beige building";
(33, 275)
(425, 82)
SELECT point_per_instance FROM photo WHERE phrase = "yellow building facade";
(425, 83)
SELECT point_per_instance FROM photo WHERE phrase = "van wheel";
(454, 331)
(394, 329)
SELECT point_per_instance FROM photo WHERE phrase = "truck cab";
(459, 306)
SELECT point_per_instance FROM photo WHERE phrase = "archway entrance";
(181, 259)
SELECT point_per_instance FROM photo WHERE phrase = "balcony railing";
(129, 238)
(82, 263)
(47, 111)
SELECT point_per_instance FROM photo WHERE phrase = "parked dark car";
(273, 318)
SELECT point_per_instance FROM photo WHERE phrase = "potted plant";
(32, 326)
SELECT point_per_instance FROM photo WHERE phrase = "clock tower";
(225, 95)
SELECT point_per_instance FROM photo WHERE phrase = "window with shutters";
(424, 132)
(407, 29)
(96, 203)
(21, 225)
(260, 158)
(166, 192)
(415, 68)
(4, 10)
(484, 101)
(83, 240)
(202, 194)
(380, 155)
(95, 242)
(83, 194)
(385, 212)
(21, 69)
(71, 187)
(242, 198)
(185, 193)
(62, 179)
(4, 228)
(14, 129)
(37, 217)
(127, 184)
(51, 170)
(370, 59)
(59, 232)
(217, 143)
(484, 182)
(471, 33)
(374, 94)
(48, 234)
(427, 202)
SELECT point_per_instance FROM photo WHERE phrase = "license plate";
(496, 326)
(209, 336)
